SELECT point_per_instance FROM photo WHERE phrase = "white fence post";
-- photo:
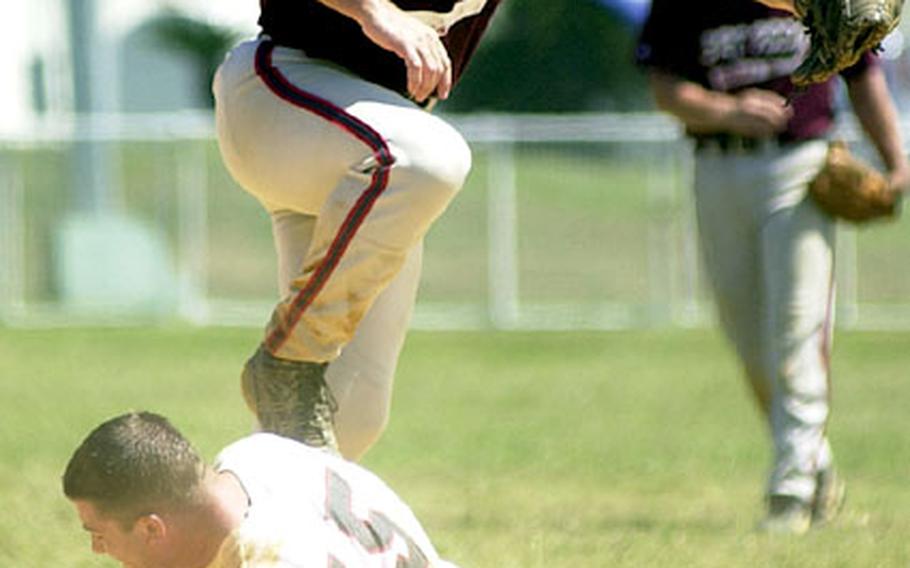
(502, 245)
(192, 180)
(691, 313)
(12, 241)
(660, 238)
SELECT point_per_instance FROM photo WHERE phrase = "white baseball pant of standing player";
(759, 233)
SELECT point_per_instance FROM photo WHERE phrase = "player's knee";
(439, 167)
(452, 163)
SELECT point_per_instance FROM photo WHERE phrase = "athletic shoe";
(786, 515)
(830, 493)
(290, 398)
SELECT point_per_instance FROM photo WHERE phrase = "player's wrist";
(731, 112)
(899, 176)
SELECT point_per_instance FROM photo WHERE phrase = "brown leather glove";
(850, 189)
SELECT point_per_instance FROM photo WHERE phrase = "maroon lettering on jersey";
(324, 33)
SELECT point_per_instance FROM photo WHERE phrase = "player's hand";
(417, 44)
(758, 113)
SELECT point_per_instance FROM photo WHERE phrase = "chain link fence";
(567, 222)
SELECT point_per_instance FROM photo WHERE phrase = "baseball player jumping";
(323, 118)
(723, 70)
(147, 499)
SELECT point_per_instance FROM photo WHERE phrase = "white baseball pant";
(353, 175)
(769, 254)
(361, 378)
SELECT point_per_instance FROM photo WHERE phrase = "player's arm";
(779, 4)
(876, 113)
(753, 112)
(416, 43)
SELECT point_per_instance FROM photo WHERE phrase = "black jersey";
(731, 45)
(324, 33)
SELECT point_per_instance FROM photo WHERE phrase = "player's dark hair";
(134, 464)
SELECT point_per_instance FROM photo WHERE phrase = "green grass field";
(517, 450)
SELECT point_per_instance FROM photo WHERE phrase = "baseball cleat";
(830, 494)
(786, 515)
(290, 398)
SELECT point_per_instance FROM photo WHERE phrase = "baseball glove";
(850, 189)
(840, 32)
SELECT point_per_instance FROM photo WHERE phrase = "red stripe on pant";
(283, 88)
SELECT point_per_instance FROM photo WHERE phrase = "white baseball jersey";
(309, 509)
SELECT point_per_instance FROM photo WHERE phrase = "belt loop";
(726, 143)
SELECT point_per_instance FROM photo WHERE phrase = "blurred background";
(115, 208)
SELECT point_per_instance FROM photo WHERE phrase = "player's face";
(129, 547)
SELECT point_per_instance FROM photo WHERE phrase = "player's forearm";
(700, 109)
(361, 11)
(876, 113)
(429, 69)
